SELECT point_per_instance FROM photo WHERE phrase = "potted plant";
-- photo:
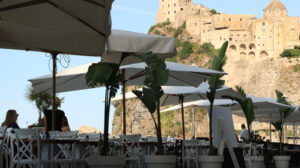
(107, 74)
(42, 102)
(247, 106)
(282, 161)
(215, 82)
(156, 75)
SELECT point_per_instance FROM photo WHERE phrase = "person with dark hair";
(11, 119)
(60, 118)
(244, 133)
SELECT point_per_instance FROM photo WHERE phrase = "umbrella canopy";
(73, 27)
(74, 78)
(121, 41)
(55, 26)
(203, 104)
(179, 74)
(179, 94)
(191, 94)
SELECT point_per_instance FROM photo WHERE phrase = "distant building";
(247, 35)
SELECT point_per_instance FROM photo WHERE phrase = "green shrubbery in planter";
(282, 161)
(156, 75)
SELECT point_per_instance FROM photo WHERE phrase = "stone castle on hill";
(248, 36)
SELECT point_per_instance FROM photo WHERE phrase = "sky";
(86, 107)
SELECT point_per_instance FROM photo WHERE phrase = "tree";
(215, 83)
(213, 11)
(247, 106)
(284, 113)
(107, 74)
(156, 75)
(42, 101)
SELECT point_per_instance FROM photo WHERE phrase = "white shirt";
(244, 134)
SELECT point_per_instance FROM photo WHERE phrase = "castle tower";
(174, 11)
(275, 10)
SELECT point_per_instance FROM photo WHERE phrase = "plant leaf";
(147, 97)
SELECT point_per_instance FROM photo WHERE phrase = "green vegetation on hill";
(186, 50)
(179, 30)
(290, 53)
(213, 11)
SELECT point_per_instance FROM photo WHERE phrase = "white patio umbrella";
(178, 94)
(74, 78)
(264, 107)
(55, 26)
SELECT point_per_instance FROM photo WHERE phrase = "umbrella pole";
(54, 56)
(193, 122)
(181, 99)
(294, 128)
(270, 127)
(124, 102)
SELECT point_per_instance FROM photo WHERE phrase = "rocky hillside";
(258, 76)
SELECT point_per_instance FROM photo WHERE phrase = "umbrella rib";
(137, 75)
(80, 20)
(181, 80)
(22, 5)
(164, 101)
(95, 3)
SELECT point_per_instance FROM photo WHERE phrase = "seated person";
(11, 119)
(244, 133)
(65, 125)
(60, 118)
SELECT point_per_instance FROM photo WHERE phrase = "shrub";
(180, 30)
(296, 68)
(196, 59)
(157, 32)
(290, 53)
(186, 51)
(166, 23)
(173, 59)
(159, 25)
(169, 29)
(207, 48)
(177, 43)
(213, 11)
(151, 29)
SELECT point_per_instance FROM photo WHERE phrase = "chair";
(6, 148)
(116, 148)
(132, 149)
(25, 149)
(91, 148)
(190, 153)
(2, 136)
(64, 152)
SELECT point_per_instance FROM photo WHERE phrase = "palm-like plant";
(156, 75)
(42, 101)
(247, 106)
(284, 113)
(215, 83)
(107, 74)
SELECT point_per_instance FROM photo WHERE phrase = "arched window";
(232, 47)
(242, 47)
(252, 54)
(263, 23)
(263, 54)
(243, 54)
(252, 46)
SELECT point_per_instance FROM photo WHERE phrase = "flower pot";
(211, 161)
(282, 161)
(160, 161)
(254, 162)
(97, 161)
